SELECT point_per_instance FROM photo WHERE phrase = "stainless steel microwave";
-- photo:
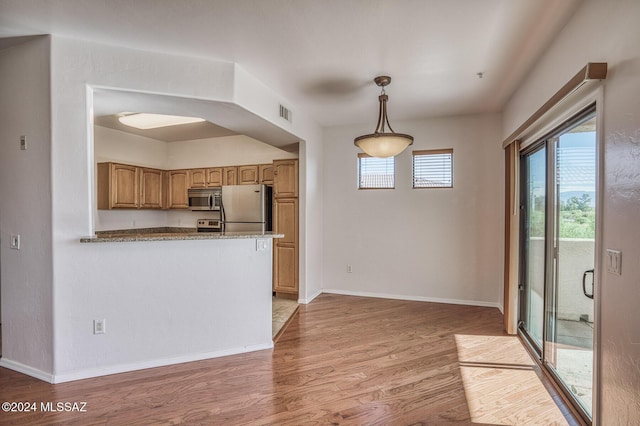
(205, 198)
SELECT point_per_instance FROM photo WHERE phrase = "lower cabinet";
(285, 250)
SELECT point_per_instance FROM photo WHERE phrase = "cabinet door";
(286, 220)
(285, 261)
(247, 175)
(178, 189)
(151, 189)
(285, 178)
(265, 173)
(214, 176)
(230, 175)
(124, 186)
(197, 178)
(285, 251)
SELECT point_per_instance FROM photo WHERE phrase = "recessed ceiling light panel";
(146, 121)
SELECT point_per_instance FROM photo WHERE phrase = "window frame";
(426, 152)
(361, 156)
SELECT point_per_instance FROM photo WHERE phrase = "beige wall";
(605, 32)
(25, 206)
(423, 244)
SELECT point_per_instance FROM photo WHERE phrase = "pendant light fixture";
(381, 143)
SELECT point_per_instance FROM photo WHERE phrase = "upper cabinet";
(197, 178)
(230, 175)
(118, 186)
(265, 174)
(214, 176)
(151, 188)
(248, 175)
(178, 197)
(123, 186)
(285, 178)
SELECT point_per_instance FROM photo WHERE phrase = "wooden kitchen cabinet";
(248, 175)
(285, 250)
(214, 176)
(178, 188)
(285, 178)
(265, 174)
(230, 175)
(151, 194)
(197, 178)
(118, 186)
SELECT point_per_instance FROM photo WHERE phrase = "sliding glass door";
(558, 197)
(534, 172)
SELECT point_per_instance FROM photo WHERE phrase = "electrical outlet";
(99, 326)
(261, 244)
(23, 143)
(15, 242)
(349, 269)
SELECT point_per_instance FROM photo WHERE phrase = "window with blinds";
(433, 168)
(376, 173)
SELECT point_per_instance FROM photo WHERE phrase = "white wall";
(122, 147)
(164, 302)
(310, 202)
(424, 244)
(224, 151)
(607, 32)
(116, 281)
(25, 205)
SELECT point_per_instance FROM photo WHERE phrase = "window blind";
(375, 173)
(433, 168)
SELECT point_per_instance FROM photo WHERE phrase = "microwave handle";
(210, 202)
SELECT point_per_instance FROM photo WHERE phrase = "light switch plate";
(614, 262)
(15, 242)
(99, 326)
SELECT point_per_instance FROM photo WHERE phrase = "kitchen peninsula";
(173, 233)
(172, 295)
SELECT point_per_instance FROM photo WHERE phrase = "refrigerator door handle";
(222, 217)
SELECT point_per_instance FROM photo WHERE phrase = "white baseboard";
(86, 374)
(123, 368)
(414, 298)
(310, 299)
(25, 369)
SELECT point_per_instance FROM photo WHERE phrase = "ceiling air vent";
(285, 113)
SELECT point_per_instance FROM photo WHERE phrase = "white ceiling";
(322, 55)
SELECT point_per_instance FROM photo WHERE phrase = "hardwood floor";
(342, 360)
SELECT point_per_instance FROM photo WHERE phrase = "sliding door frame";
(591, 104)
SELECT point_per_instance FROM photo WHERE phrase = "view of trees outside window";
(577, 200)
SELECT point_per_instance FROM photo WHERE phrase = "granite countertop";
(169, 234)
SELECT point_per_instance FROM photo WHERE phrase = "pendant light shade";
(381, 143)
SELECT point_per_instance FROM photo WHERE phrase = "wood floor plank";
(342, 360)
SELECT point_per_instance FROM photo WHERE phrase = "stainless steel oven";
(209, 225)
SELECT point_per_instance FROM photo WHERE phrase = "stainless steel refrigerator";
(246, 208)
